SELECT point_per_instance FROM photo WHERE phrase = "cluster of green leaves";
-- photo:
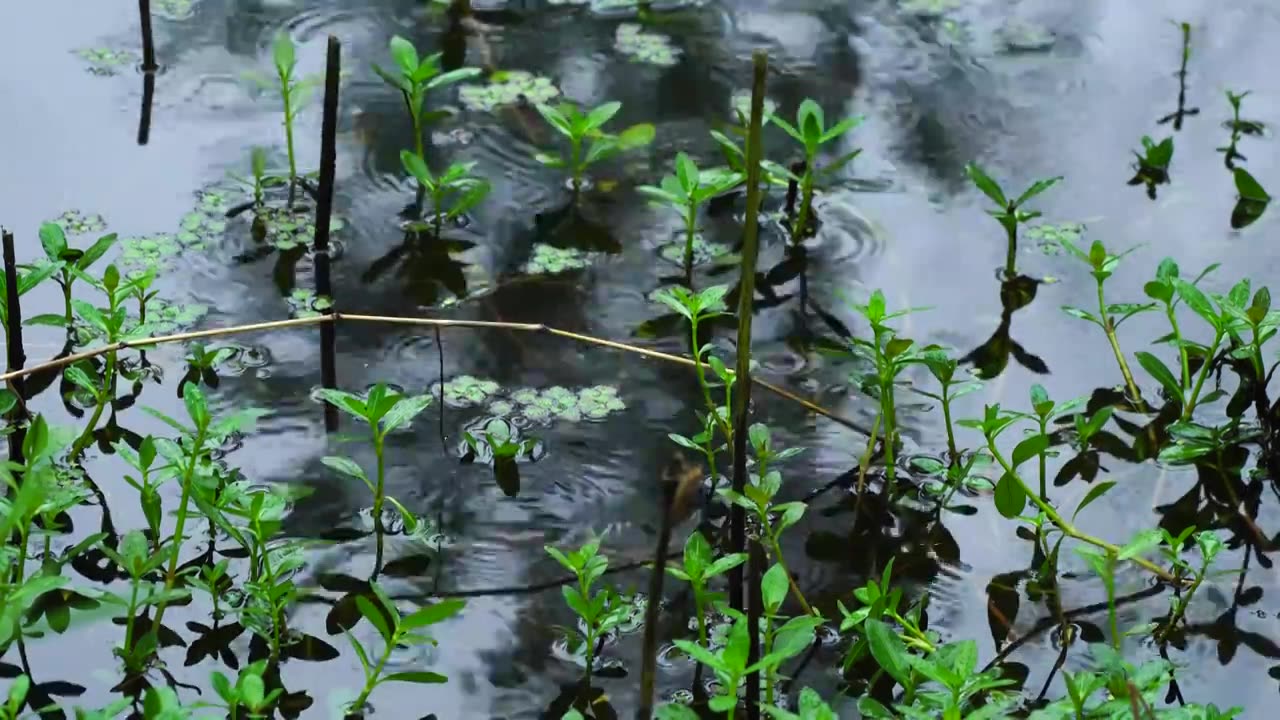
(416, 77)
(588, 142)
(600, 611)
(687, 190)
(452, 193)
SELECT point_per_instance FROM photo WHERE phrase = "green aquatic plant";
(506, 87)
(550, 260)
(453, 193)
(107, 61)
(588, 142)
(643, 47)
(67, 264)
(293, 91)
(600, 611)
(812, 133)
(136, 557)
(418, 76)
(699, 568)
(1115, 687)
(1102, 266)
(1239, 127)
(889, 356)
(499, 441)
(1009, 212)
(384, 411)
(686, 191)
(396, 630)
(1151, 166)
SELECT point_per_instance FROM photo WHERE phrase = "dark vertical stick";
(742, 393)
(17, 357)
(148, 44)
(324, 210)
(649, 648)
(144, 116)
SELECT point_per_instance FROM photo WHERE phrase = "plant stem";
(1066, 527)
(702, 616)
(1044, 455)
(1110, 329)
(575, 153)
(806, 204)
(108, 394)
(951, 433)
(1182, 350)
(1204, 373)
(690, 229)
(371, 681)
(128, 624)
(890, 432)
(188, 479)
(377, 493)
(286, 94)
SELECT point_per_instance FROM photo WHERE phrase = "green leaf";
(453, 76)
(1076, 312)
(1094, 493)
(773, 588)
(888, 650)
(96, 251)
(1036, 188)
(1248, 187)
(1010, 498)
(91, 315)
(555, 119)
(346, 466)
(1029, 448)
(404, 410)
(699, 653)
(54, 241)
(283, 52)
(1197, 301)
(353, 405)
(405, 55)
(841, 128)
(417, 167)
(602, 114)
(988, 186)
(421, 677)
(686, 173)
(197, 406)
(668, 711)
(432, 614)
(34, 277)
(1140, 544)
(1158, 370)
(636, 136)
(374, 616)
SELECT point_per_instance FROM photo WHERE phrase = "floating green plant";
(173, 9)
(74, 222)
(468, 391)
(303, 302)
(148, 251)
(644, 47)
(703, 251)
(1025, 36)
(506, 87)
(929, 8)
(1048, 237)
(106, 61)
(289, 229)
(557, 402)
(548, 260)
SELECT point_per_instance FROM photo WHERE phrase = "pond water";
(1070, 93)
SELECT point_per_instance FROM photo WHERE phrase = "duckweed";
(148, 251)
(506, 87)
(173, 9)
(561, 403)
(1024, 36)
(288, 229)
(548, 260)
(303, 302)
(703, 251)
(74, 222)
(1049, 237)
(468, 391)
(644, 47)
(106, 61)
(929, 8)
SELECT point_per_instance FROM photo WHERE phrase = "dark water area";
(937, 92)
